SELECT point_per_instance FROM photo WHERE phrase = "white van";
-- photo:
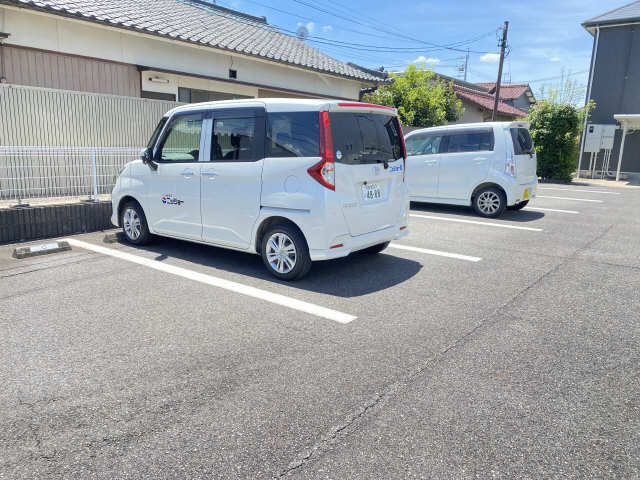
(293, 180)
(490, 166)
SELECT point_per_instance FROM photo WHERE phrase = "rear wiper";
(385, 162)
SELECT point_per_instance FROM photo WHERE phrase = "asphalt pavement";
(507, 348)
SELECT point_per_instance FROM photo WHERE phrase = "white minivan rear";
(293, 180)
(490, 166)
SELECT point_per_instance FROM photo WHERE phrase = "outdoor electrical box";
(593, 138)
(599, 137)
(608, 135)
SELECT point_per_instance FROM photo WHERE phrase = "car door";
(232, 177)
(172, 190)
(423, 164)
(465, 162)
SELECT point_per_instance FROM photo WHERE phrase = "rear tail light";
(324, 172)
(404, 148)
(510, 165)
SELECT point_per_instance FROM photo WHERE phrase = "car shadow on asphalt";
(509, 215)
(353, 276)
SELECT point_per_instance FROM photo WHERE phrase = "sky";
(545, 38)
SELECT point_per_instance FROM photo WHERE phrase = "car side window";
(423, 144)
(182, 142)
(234, 140)
(292, 134)
(470, 142)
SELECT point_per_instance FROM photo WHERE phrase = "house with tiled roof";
(517, 95)
(477, 101)
(181, 50)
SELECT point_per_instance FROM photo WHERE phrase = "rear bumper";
(352, 244)
(519, 191)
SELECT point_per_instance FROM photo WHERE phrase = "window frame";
(165, 133)
(259, 116)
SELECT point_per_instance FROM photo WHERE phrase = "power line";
(363, 46)
(397, 34)
(554, 78)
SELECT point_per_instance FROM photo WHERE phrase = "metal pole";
(584, 123)
(624, 136)
(95, 176)
(503, 46)
(466, 65)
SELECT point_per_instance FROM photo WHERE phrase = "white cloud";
(490, 58)
(310, 26)
(428, 61)
(554, 59)
(327, 28)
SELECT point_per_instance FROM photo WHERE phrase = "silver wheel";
(131, 223)
(488, 202)
(281, 253)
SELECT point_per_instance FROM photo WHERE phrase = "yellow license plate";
(525, 195)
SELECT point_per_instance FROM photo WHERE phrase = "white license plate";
(371, 192)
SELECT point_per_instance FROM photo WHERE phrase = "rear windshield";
(361, 138)
(293, 134)
(522, 143)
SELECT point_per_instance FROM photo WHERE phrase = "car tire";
(489, 202)
(519, 206)
(134, 224)
(374, 249)
(285, 252)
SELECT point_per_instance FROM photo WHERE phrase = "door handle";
(430, 162)
(187, 173)
(211, 175)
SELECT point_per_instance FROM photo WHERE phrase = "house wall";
(521, 102)
(472, 114)
(51, 32)
(23, 66)
(616, 89)
(475, 114)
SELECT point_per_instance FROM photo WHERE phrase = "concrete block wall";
(32, 223)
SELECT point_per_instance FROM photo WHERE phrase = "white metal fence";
(37, 172)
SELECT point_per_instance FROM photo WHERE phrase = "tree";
(422, 99)
(555, 129)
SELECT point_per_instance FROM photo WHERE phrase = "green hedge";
(555, 129)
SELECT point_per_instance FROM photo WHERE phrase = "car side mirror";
(146, 157)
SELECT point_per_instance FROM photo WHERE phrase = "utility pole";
(503, 46)
(466, 65)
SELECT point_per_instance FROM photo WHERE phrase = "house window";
(233, 73)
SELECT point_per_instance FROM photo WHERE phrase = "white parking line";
(435, 252)
(474, 222)
(578, 190)
(551, 210)
(571, 198)
(220, 283)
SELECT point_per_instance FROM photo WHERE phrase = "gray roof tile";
(196, 22)
(622, 14)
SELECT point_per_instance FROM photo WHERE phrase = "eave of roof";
(71, 10)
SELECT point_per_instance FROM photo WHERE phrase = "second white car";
(489, 166)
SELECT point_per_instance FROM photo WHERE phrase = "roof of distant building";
(202, 23)
(508, 92)
(486, 101)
